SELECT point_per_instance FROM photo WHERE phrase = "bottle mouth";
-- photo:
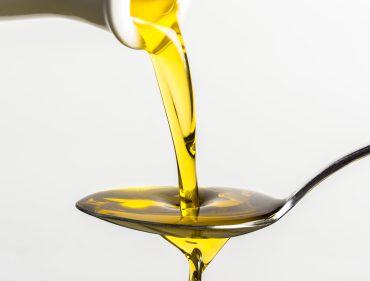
(118, 16)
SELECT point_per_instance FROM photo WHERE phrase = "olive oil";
(157, 210)
(157, 23)
(192, 219)
(198, 221)
(223, 213)
(199, 252)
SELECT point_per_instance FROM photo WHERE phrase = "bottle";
(112, 15)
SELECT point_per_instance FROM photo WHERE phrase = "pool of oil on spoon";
(221, 214)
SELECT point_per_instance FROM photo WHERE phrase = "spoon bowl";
(223, 212)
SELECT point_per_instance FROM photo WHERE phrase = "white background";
(282, 89)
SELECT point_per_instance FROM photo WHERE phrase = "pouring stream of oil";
(158, 25)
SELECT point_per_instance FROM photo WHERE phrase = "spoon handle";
(330, 170)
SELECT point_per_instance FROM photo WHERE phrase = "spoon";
(258, 210)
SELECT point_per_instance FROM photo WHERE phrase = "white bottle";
(113, 15)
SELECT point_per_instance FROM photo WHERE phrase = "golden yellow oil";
(199, 253)
(157, 23)
(192, 219)
(157, 210)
